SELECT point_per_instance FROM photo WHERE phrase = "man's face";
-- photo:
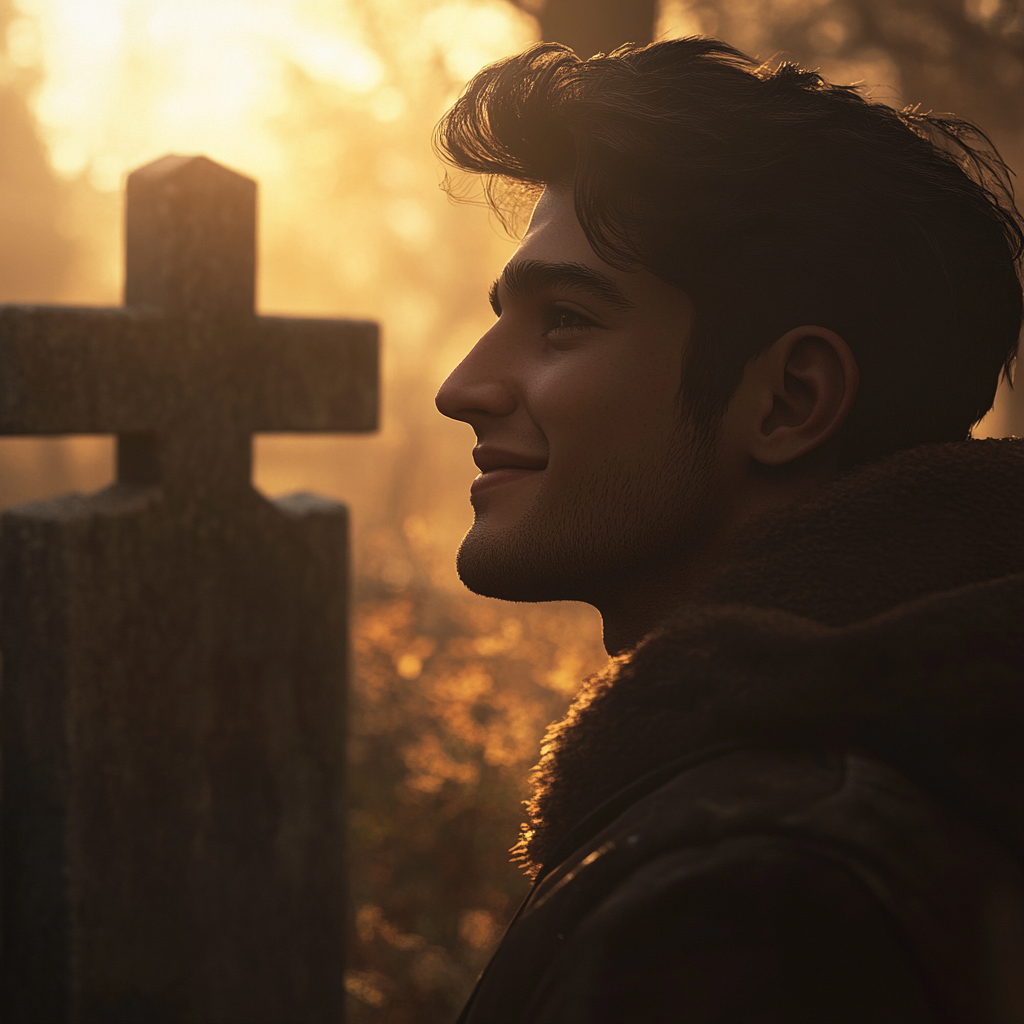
(589, 478)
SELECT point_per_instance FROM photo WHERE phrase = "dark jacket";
(803, 799)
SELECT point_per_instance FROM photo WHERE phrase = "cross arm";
(67, 370)
(318, 375)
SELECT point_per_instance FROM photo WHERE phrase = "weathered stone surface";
(175, 647)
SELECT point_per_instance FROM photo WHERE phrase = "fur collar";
(887, 614)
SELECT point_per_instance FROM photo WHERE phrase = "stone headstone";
(175, 647)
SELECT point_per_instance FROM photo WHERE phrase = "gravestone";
(175, 646)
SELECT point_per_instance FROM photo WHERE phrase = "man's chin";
(506, 568)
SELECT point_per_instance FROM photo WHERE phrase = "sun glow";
(127, 80)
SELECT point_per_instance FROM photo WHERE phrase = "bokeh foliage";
(451, 700)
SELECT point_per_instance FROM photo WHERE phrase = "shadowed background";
(330, 105)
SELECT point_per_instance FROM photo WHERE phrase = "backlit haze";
(330, 104)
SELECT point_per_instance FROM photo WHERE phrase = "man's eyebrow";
(523, 277)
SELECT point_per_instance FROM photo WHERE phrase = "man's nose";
(476, 389)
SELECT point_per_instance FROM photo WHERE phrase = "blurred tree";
(962, 55)
(35, 257)
(593, 26)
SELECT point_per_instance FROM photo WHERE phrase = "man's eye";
(566, 321)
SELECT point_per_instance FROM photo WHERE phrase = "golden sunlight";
(127, 80)
(330, 105)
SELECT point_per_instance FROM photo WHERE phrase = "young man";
(727, 401)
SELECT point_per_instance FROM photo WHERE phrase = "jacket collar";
(885, 614)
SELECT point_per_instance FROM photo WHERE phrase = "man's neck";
(636, 610)
(637, 606)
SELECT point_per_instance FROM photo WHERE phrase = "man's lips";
(502, 466)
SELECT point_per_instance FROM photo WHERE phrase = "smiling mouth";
(503, 466)
(499, 476)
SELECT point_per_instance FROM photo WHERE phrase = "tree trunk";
(593, 26)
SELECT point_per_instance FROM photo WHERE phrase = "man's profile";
(727, 401)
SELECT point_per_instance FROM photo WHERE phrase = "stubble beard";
(617, 526)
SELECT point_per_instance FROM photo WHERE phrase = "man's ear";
(801, 391)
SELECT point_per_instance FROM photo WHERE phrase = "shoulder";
(751, 928)
(814, 886)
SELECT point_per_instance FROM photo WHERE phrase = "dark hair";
(774, 199)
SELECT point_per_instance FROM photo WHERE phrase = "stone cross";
(175, 647)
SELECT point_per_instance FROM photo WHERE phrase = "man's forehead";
(554, 202)
(555, 235)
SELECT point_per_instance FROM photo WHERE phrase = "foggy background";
(330, 105)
